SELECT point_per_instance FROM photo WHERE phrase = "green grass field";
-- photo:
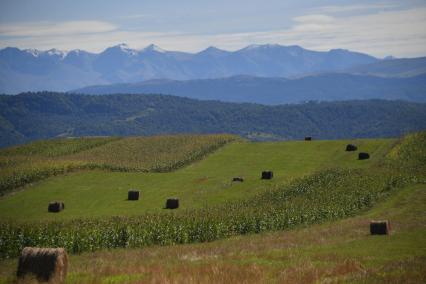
(201, 184)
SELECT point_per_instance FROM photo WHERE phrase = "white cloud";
(401, 33)
(354, 8)
(317, 18)
(38, 29)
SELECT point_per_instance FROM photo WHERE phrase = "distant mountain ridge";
(403, 67)
(32, 70)
(274, 91)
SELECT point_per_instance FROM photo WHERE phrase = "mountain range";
(266, 74)
(33, 70)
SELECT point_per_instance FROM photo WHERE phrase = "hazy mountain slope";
(324, 87)
(404, 67)
(25, 70)
(50, 70)
(44, 115)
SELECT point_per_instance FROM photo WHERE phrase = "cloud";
(317, 18)
(381, 33)
(38, 29)
(354, 8)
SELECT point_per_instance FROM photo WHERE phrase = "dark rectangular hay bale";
(363, 156)
(267, 175)
(172, 203)
(56, 206)
(380, 227)
(351, 147)
(133, 195)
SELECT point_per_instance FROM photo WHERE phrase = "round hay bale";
(238, 179)
(172, 203)
(380, 227)
(267, 175)
(363, 156)
(133, 195)
(45, 264)
(56, 206)
(351, 147)
(308, 138)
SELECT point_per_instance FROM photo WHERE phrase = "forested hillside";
(32, 116)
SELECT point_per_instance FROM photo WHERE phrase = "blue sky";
(379, 28)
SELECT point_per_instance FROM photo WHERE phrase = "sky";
(379, 28)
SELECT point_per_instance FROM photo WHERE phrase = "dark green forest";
(31, 116)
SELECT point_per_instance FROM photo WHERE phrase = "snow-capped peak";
(257, 46)
(124, 48)
(53, 51)
(56, 52)
(33, 52)
(153, 47)
(50, 52)
(77, 51)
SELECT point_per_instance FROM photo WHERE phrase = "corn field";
(36, 161)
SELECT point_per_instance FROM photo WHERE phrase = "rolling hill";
(273, 91)
(33, 116)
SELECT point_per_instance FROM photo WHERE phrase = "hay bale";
(363, 156)
(45, 264)
(351, 147)
(308, 138)
(56, 206)
(172, 203)
(380, 227)
(238, 179)
(267, 175)
(133, 195)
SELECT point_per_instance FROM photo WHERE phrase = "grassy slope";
(337, 251)
(98, 193)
